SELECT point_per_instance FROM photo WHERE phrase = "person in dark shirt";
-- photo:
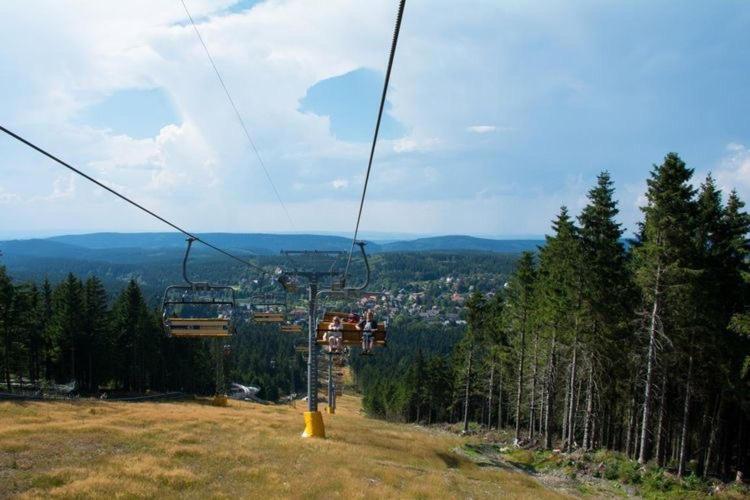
(368, 325)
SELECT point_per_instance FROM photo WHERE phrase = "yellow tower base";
(314, 425)
(219, 400)
(330, 410)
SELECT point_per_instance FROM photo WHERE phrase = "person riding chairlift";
(368, 325)
(334, 335)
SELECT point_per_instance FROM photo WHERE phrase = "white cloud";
(7, 198)
(63, 188)
(413, 144)
(481, 129)
(733, 171)
(340, 183)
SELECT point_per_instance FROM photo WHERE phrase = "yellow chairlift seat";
(268, 317)
(198, 327)
(349, 332)
(291, 328)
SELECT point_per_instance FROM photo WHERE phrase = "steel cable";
(237, 113)
(125, 198)
(392, 54)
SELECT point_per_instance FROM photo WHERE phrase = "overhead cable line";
(237, 113)
(135, 204)
(396, 31)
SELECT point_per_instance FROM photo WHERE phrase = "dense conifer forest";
(641, 347)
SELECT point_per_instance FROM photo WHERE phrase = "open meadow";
(192, 449)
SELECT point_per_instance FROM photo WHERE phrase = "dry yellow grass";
(192, 449)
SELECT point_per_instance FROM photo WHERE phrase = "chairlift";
(186, 309)
(350, 334)
(268, 307)
(290, 328)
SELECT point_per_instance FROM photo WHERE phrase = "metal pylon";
(331, 386)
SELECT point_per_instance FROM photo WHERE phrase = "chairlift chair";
(268, 307)
(184, 307)
(290, 328)
(351, 336)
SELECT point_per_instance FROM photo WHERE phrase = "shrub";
(630, 472)
(656, 480)
(611, 469)
(693, 482)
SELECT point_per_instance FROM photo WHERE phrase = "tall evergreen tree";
(557, 304)
(663, 261)
(518, 311)
(67, 325)
(475, 307)
(7, 322)
(605, 290)
(96, 341)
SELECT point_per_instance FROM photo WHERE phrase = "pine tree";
(557, 303)
(606, 291)
(663, 261)
(132, 333)
(518, 310)
(96, 340)
(475, 307)
(66, 325)
(7, 322)
(44, 320)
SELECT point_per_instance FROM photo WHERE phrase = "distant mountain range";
(115, 247)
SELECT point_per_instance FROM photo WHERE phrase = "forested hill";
(102, 245)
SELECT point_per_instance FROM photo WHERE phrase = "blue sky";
(499, 112)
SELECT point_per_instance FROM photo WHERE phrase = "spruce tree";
(67, 325)
(663, 262)
(96, 333)
(7, 322)
(605, 291)
(518, 311)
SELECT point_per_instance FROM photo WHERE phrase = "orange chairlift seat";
(350, 334)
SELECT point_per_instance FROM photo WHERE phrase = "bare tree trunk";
(572, 398)
(630, 437)
(532, 400)
(519, 389)
(467, 390)
(660, 422)
(715, 424)
(565, 413)
(7, 356)
(685, 415)
(574, 421)
(594, 428)
(500, 397)
(589, 408)
(649, 370)
(550, 393)
(490, 393)
(540, 418)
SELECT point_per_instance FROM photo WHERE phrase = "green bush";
(693, 482)
(655, 480)
(630, 472)
(611, 469)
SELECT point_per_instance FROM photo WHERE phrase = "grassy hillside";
(191, 449)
